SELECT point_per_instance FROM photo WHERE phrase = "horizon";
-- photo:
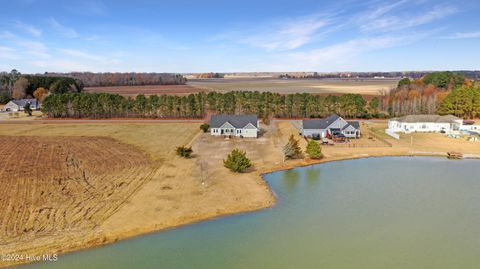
(189, 37)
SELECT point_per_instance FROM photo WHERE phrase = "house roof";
(237, 121)
(326, 122)
(427, 118)
(22, 102)
(355, 124)
(319, 123)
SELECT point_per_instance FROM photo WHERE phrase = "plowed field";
(53, 185)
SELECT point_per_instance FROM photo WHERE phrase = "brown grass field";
(285, 86)
(56, 184)
(71, 186)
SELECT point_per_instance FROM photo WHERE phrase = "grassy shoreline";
(266, 155)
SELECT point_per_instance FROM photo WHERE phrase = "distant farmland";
(147, 89)
(284, 86)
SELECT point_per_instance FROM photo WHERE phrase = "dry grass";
(182, 191)
(61, 182)
(317, 86)
(426, 142)
(159, 140)
(20, 115)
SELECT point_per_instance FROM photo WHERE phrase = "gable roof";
(427, 118)
(320, 123)
(237, 121)
(326, 122)
(22, 102)
(355, 124)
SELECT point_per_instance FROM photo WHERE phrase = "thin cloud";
(464, 35)
(287, 35)
(7, 53)
(28, 28)
(82, 55)
(384, 21)
(34, 48)
(344, 53)
(61, 65)
(66, 31)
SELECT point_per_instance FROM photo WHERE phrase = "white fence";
(392, 134)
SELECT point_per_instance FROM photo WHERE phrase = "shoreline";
(98, 240)
(226, 187)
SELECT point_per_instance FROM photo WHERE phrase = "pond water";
(394, 212)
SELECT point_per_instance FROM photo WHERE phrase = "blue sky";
(233, 36)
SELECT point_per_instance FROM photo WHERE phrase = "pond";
(393, 212)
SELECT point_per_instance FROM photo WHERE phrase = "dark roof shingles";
(238, 121)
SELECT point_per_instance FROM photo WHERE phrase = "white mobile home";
(234, 125)
(424, 123)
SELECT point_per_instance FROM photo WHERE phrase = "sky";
(39, 36)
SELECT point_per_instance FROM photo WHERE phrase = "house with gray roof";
(18, 105)
(330, 126)
(424, 123)
(234, 125)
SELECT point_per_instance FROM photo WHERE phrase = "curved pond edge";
(102, 241)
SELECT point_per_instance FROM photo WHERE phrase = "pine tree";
(237, 161)
(27, 109)
(314, 150)
(292, 150)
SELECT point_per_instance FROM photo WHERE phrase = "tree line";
(421, 96)
(90, 79)
(264, 104)
(14, 85)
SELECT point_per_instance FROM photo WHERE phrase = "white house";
(332, 125)
(17, 105)
(470, 127)
(234, 125)
(424, 123)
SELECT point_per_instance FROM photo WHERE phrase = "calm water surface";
(405, 212)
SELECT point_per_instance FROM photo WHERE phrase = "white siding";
(11, 106)
(311, 132)
(408, 127)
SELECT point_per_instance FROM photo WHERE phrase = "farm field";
(147, 90)
(54, 185)
(285, 86)
(134, 169)
(282, 86)
(59, 183)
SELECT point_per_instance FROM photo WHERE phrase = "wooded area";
(90, 79)
(15, 85)
(425, 95)
(265, 104)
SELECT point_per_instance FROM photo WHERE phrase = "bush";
(292, 150)
(314, 150)
(204, 127)
(237, 161)
(185, 152)
(27, 109)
